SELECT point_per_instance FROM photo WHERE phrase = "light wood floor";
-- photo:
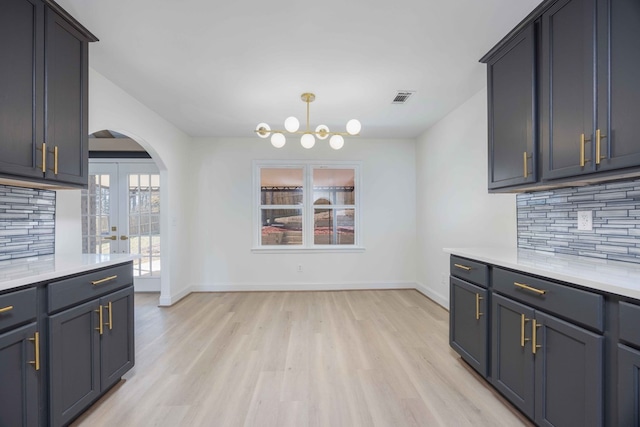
(349, 358)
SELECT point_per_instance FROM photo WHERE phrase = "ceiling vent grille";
(402, 96)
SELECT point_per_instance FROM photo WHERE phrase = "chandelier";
(308, 138)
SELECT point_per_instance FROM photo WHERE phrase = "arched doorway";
(121, 208)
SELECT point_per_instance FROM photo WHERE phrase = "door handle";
(36, 344)
(599, 137)
(110, 238)
(523, 321)
(534, 336)
(123, 238)
(478, 314)
(100, 324)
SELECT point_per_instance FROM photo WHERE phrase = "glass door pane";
(144, 222)
(99, 208)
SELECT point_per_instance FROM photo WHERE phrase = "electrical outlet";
(299, 268)
(585, 220)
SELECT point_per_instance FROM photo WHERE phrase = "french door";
(121, 214)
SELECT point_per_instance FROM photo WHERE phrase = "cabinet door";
(512, 367)
(569, 374)
(567, 107)
(468, 333)
(74, 341)
(618, 89)
(512, 107)
(628, 386)
(18, 378)
(66, 76)
(21, 87)
(117, 348)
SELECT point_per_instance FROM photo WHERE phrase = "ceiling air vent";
(402, 96)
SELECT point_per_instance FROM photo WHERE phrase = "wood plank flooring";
(348, 358)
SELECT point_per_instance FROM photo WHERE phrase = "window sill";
(302, 250)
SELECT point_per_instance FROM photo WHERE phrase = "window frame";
(307, 207)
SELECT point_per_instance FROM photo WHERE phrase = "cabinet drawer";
(88, 286)
(629, 321)
(471, 271)
(17, 307)
(573, 304)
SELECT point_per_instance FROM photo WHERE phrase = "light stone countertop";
(614, 277)
(26, 271)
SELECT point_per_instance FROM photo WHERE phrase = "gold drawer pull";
(36, 344)
(464, 267)
(5, 309)
(529, 288)
(106, 279)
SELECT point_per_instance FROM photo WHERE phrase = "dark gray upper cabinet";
(66, 75)
(586, 93)
(21, 86)
(618, 89)
(567, 95)
(43, 93)
(468, 314)
(19, 379)
(511, 85)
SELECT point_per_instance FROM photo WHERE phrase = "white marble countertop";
(614, 277)
(25, 271)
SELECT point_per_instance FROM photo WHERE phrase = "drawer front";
(471, 271)
(88, 286)
(573, 304)
(629, 323)
(17, 307)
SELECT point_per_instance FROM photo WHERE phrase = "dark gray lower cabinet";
(513, 366)
(628, 386)
(468, 323)
(550, 369)
(74, 362)
(18, 378)
(91, 346)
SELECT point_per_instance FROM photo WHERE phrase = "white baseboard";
(166, 301)
(253, 287)
(256, 287)
(430, 293)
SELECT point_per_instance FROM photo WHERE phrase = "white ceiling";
(218, 68)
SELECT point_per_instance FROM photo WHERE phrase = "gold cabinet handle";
(100, 320)
(106, 279)
(478, 299)
(44, 156)
(464, 267)
(583, 141)
(55, 160)
(523, 321)
(599, 137)
(534, 336)
(36, 344)
(524, 161)
(6, 309)
(529, 288)
(110, 322)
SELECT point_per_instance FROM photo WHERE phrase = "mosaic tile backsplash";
(27, 222)
(547, 221)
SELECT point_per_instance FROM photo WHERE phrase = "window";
(307, 205)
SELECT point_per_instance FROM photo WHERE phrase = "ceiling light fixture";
(308, 139)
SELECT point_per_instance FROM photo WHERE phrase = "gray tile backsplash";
(547, 221)
(27, 222)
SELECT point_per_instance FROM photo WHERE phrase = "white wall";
(454, 208)
(222, 226)
(112, 108)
